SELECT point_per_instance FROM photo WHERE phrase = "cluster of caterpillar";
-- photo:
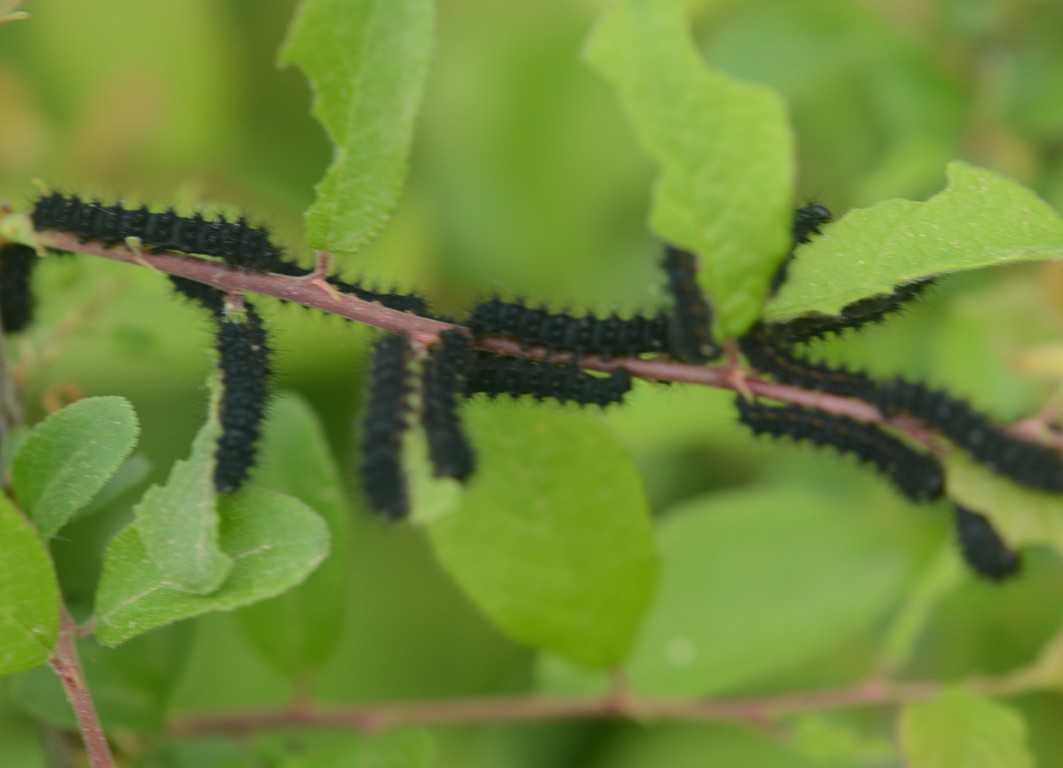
(453, 370)
(450, 373)
(772, 349)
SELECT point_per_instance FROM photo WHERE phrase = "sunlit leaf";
(981, 219)
(367, 63)
(724, 150)
(552, 539)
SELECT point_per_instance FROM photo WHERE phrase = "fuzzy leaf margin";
(724, 148)
(367, 63)
(981, 219)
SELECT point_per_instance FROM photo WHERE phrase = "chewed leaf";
(724, 149)
(367, 63)
(981, 219)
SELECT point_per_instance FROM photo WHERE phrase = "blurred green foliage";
(526, 178)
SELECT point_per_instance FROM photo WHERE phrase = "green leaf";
(400, 749)
(298, 630)
(177, 522)
(553, 540)
(724, 148)
(274, 542)
(957, 729)
(367, 63)
(742, 570)
(1022, 516)
(29, 594)
(69, 456)
(981, 219)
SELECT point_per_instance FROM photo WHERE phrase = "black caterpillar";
(237, 243)
(982, 547)
(690, 322)
(535, 326)
(385, 419)
(774, 356)
(1035, 466)
(243, 358)
(17, 301)
(442, 383)
(806, 222)
(874, 309)
(206, 296)
(917, 476)
(496, 375)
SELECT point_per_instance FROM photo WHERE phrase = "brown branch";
(533, 708)
(67, 665)
(312, 291)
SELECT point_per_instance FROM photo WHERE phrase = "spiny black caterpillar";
(607, 337)
(772, 349)
(237, 243)
(443, 383)
(774, 356)
(917, 476)
(385, 419)
(982, 547)
(806, 222)
(1034, 466)
(17, 301)
(243, 359)
(495, 375)
(690, 321)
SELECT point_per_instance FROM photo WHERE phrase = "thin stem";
(524, 709)
(67, 665)
(423, 330)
